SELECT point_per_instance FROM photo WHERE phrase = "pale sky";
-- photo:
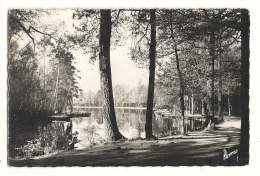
(123, 68)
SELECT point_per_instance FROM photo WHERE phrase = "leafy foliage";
(33, 71)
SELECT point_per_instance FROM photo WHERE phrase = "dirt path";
(197, 148)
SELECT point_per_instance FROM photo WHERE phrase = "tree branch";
(116, 17)
(28, 31)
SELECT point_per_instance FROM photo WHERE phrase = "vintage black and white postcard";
(128, 86)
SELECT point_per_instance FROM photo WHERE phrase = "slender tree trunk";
(112, 131)
(149, 112)
(179, 73)
(63, 108)
(71, 104)
(198, 105)
(244, 99)
(191, 124)
(229, 105)
(192, 105)
(220, 110)
(185, 105)
(189, 104)
(35, 100)
(212, 54)
(202, 108)
(44, 87)
(174, 111)
(57, 87)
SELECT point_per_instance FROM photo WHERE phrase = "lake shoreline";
(193, 149)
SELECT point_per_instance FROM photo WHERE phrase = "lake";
(43, 137)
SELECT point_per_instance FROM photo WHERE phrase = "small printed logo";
(228, 155)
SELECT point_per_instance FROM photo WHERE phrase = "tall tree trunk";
(212, 54)
(112, 131)
(192, 105)
(57, 87)
(35, 100)
(174, 111)
(70, 105)
(208, 107)
(189, 104)
(179, 73)
(185, 104)
(44, 87)
(63, 108)
(220, 110)
(229, 105)
(244, 99)
(149, 112)
(202, 107)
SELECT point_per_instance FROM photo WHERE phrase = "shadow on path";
(199, 148)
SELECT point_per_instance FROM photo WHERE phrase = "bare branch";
(28, 31)
(116, 17)
(145, 34)
(43, 33)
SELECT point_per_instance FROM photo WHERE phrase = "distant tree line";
(123, 96)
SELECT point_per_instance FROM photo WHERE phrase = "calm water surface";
(131, 123)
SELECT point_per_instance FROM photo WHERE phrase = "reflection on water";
(88, 131)
(131, 123)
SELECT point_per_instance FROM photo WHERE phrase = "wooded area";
(198, 62)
